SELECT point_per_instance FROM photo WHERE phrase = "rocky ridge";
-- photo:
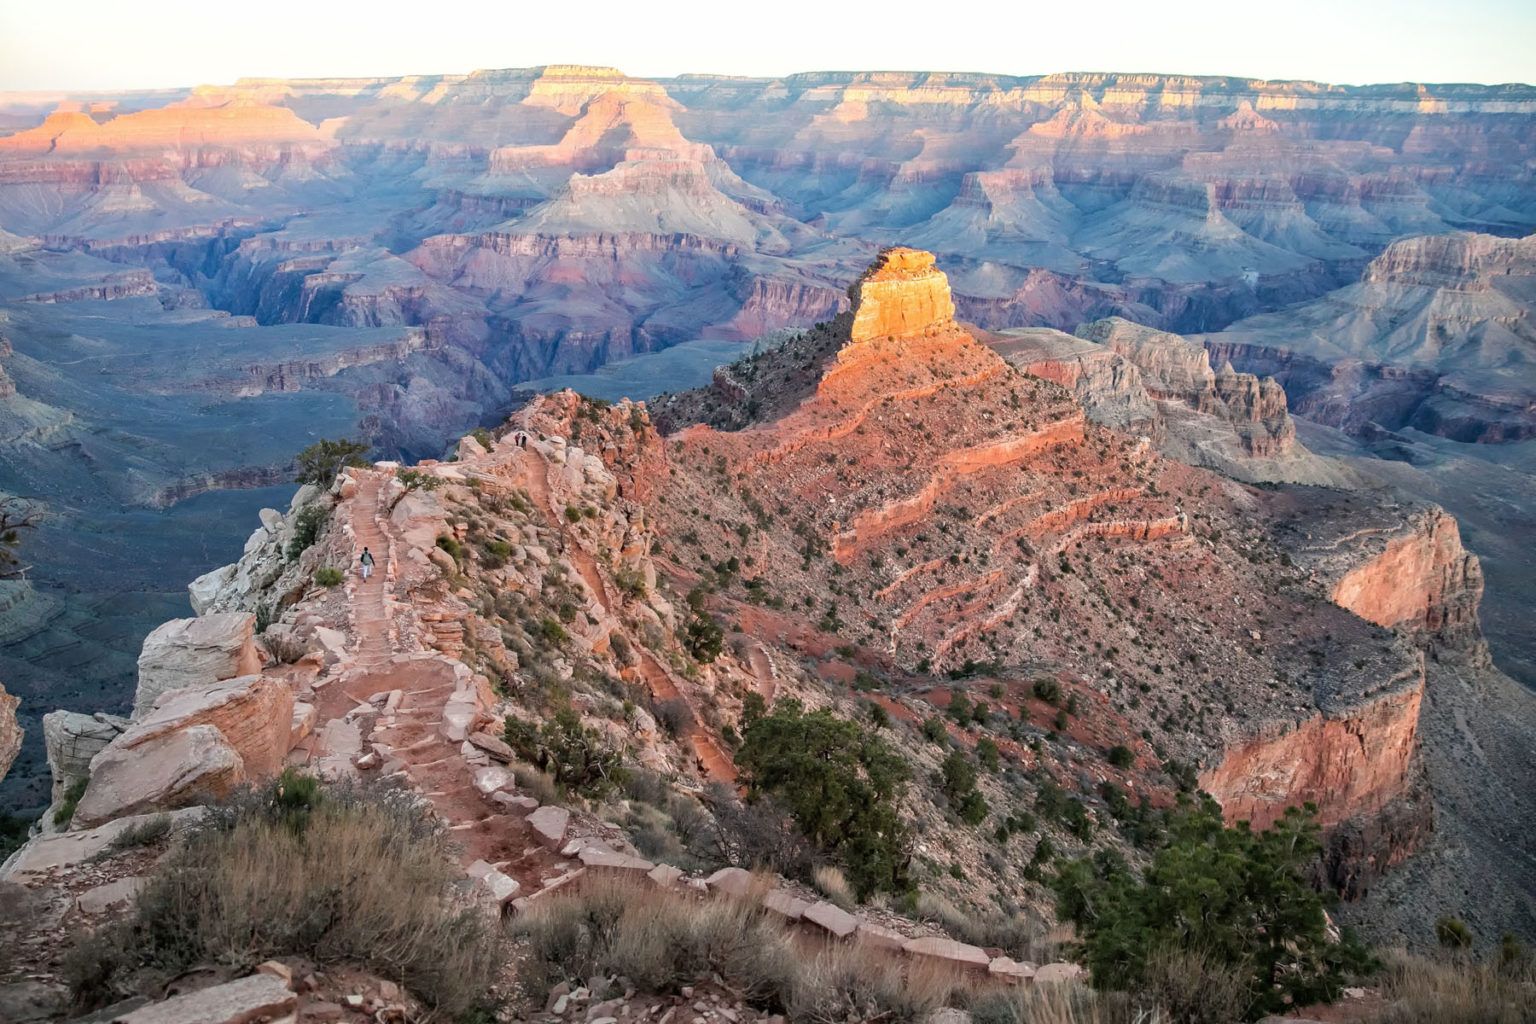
(916, 506)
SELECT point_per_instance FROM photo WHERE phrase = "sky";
(81, 45)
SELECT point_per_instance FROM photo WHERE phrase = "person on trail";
(365, 564)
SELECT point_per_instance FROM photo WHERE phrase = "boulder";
(731, 881)
(549, 824)
(172, 769)
(254, 713)
(959, 954)
(10, 732)
(305, 715)
(492, 780)
(260, 997)
(195, 652)
(203, 592)
(665, 875)
(831, 918)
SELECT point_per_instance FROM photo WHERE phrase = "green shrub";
(1240, 898)
(452, 546)
(578, 758)
(328, 576)
(65, 812)
(957, 780)
(1048, 690)
(839, 783)
(320, 462)
(987, 754)
(702, 636)
(416, 480)
(1453, 933)
(934, 731)
(1120, 756)
(307, 526)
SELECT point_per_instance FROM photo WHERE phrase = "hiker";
(365, 564)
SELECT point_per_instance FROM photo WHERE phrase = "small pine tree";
(320, 462)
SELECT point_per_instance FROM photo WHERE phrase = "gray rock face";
(73, 740)
(195, 652)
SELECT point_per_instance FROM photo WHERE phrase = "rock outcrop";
(10, 732)
(73, 740)
(195, 744)
(1141, 380)
(195, 652)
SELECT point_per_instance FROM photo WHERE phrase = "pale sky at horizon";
(93, 45)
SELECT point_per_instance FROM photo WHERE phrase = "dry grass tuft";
(833, 884)
(1426, 991)
(1019, 935)
(345, 877)
(1063, 1004)
(663, 941)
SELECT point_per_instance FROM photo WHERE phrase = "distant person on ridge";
(365, 564)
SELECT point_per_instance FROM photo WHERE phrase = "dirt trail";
(711, 759)
(435, 765)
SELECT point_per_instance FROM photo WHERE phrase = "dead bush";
(337, 876)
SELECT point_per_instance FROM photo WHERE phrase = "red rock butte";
(901, 294)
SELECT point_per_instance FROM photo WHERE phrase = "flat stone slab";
(65, 849)
(549, 824)
(259, 997)
(832, 918)
(515, 803)
(491, 880)
(607, 860)
(1050, 974)
(879, 936)
(731, 881)
(1015, 972)
(958, 953)
(111, 894)
(786, 905)
(493, 746)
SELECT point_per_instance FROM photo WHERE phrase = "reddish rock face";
(10, 732)
(966, 507)
(1348, 766)
(1422, 580)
